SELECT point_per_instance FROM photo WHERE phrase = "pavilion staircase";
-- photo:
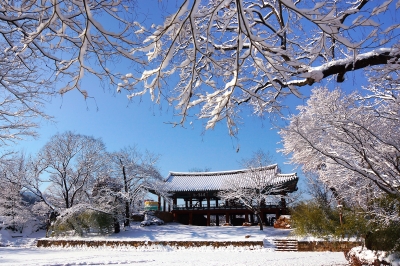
(286, 244)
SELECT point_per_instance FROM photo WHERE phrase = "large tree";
(351, 141)
(72, 163)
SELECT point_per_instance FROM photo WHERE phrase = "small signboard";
(151, 205)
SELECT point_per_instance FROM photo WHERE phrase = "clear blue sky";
(121, 123)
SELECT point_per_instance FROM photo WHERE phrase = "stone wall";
(335, 246)
(178, 244)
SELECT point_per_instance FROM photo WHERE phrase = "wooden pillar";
(227, 218)
(216, 202)
(283, 204)
(190, 218)
(159, 203)
(252, 218)
(246, 217)
(217, 219)
(175, 217)
(208, 202)
(191, 202)
(186, 203)
(175, 201)
(208, 219)
(164, 205)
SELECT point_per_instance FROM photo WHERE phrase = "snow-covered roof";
(216, 181)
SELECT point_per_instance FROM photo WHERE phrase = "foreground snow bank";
(363, 256)
(168, 256)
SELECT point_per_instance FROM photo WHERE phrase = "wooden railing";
(221, 207)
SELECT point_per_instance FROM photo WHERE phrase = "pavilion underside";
(225, 215)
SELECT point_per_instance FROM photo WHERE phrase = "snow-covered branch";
(348, 139)
(227, 53)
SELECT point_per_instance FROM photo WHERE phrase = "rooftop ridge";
(269, 167)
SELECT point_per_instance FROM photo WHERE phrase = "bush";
(384, 231)
(385, 238)
(83, 223)
(310, 218)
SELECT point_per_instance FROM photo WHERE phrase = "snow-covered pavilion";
(199, 193)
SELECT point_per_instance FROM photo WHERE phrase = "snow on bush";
(363, 256)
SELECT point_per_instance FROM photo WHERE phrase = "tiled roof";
(216, 181)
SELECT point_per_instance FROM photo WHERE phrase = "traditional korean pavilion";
(197, 193)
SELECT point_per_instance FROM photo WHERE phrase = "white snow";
(22, 251)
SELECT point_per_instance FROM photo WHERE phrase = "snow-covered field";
(22, 250)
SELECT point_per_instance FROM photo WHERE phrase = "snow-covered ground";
(22, 250)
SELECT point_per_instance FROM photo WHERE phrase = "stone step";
(286, 245)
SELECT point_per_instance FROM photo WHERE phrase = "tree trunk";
(127, 210)
(117, 227)
(260, 222)
(127, 222)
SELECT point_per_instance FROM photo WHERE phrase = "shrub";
(83, 223)
(385, 238)
(311, 218)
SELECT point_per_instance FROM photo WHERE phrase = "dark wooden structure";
(197, 193)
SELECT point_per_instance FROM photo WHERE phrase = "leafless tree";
(256, 187)
(137, 172)
(352, 141)
(72, 162)
(18, 205)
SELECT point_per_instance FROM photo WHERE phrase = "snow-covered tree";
(352, 141)
(13, 209)
(256, 188)
(137, 172)
(18, 206)
(72, 163)
(225, 54)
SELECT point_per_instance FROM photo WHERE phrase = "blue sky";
(119, 123)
